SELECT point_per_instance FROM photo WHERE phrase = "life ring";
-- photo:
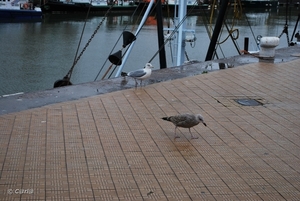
(25, 5)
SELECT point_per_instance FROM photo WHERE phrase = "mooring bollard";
(297, 35)
(267, 46)
(246, 44)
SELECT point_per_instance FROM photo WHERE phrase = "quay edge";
(24, 101)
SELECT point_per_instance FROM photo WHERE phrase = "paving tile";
(57, 195)
(129, 194)
(244, 196)
(105, 194)
(223, 197)
(116, 147)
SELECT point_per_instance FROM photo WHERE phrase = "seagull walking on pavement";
(140, 74)
(185, 121)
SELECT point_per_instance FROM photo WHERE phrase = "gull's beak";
(204, 123)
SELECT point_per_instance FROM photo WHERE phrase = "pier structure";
(115, 146)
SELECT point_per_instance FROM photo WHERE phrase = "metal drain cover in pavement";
(248, 102)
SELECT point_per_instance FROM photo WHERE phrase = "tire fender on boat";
(62, 82)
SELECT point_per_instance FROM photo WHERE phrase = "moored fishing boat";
(170, 4)
(188, 2)
(259, 3)
(19, 10)
(94, 6)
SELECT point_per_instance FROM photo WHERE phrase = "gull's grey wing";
(178, 120)
(137, 73)
(185, 120)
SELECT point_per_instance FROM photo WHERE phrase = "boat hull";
(245, 4)
(7, 14)
(259, 4)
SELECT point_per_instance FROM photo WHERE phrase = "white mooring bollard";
(267, 46)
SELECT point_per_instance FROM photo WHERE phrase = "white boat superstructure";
(19, 9)
(101, 2)
(16, 5)
(94, 2)
(179, 34)
(188, 2)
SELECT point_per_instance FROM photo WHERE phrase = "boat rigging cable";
(117, 43)
(146, 14)
(137, 33)
(285, 28)
(257, 38)
(206, 22)
(168, 11)
(168, 32)
(209, 29)
(296, 25)
(170, 36)
(66, 80)
(230, 32)
(119, 52)
(237, 12)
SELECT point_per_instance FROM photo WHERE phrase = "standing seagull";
(185, 121)
(140, 74)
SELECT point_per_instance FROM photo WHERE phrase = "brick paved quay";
(115, 146)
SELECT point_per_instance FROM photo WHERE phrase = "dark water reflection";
(34, 55)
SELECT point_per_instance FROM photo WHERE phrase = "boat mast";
(180, 37)
(181, 32)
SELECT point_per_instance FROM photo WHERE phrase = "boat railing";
(15, 2)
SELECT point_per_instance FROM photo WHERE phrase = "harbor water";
(33, 55)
